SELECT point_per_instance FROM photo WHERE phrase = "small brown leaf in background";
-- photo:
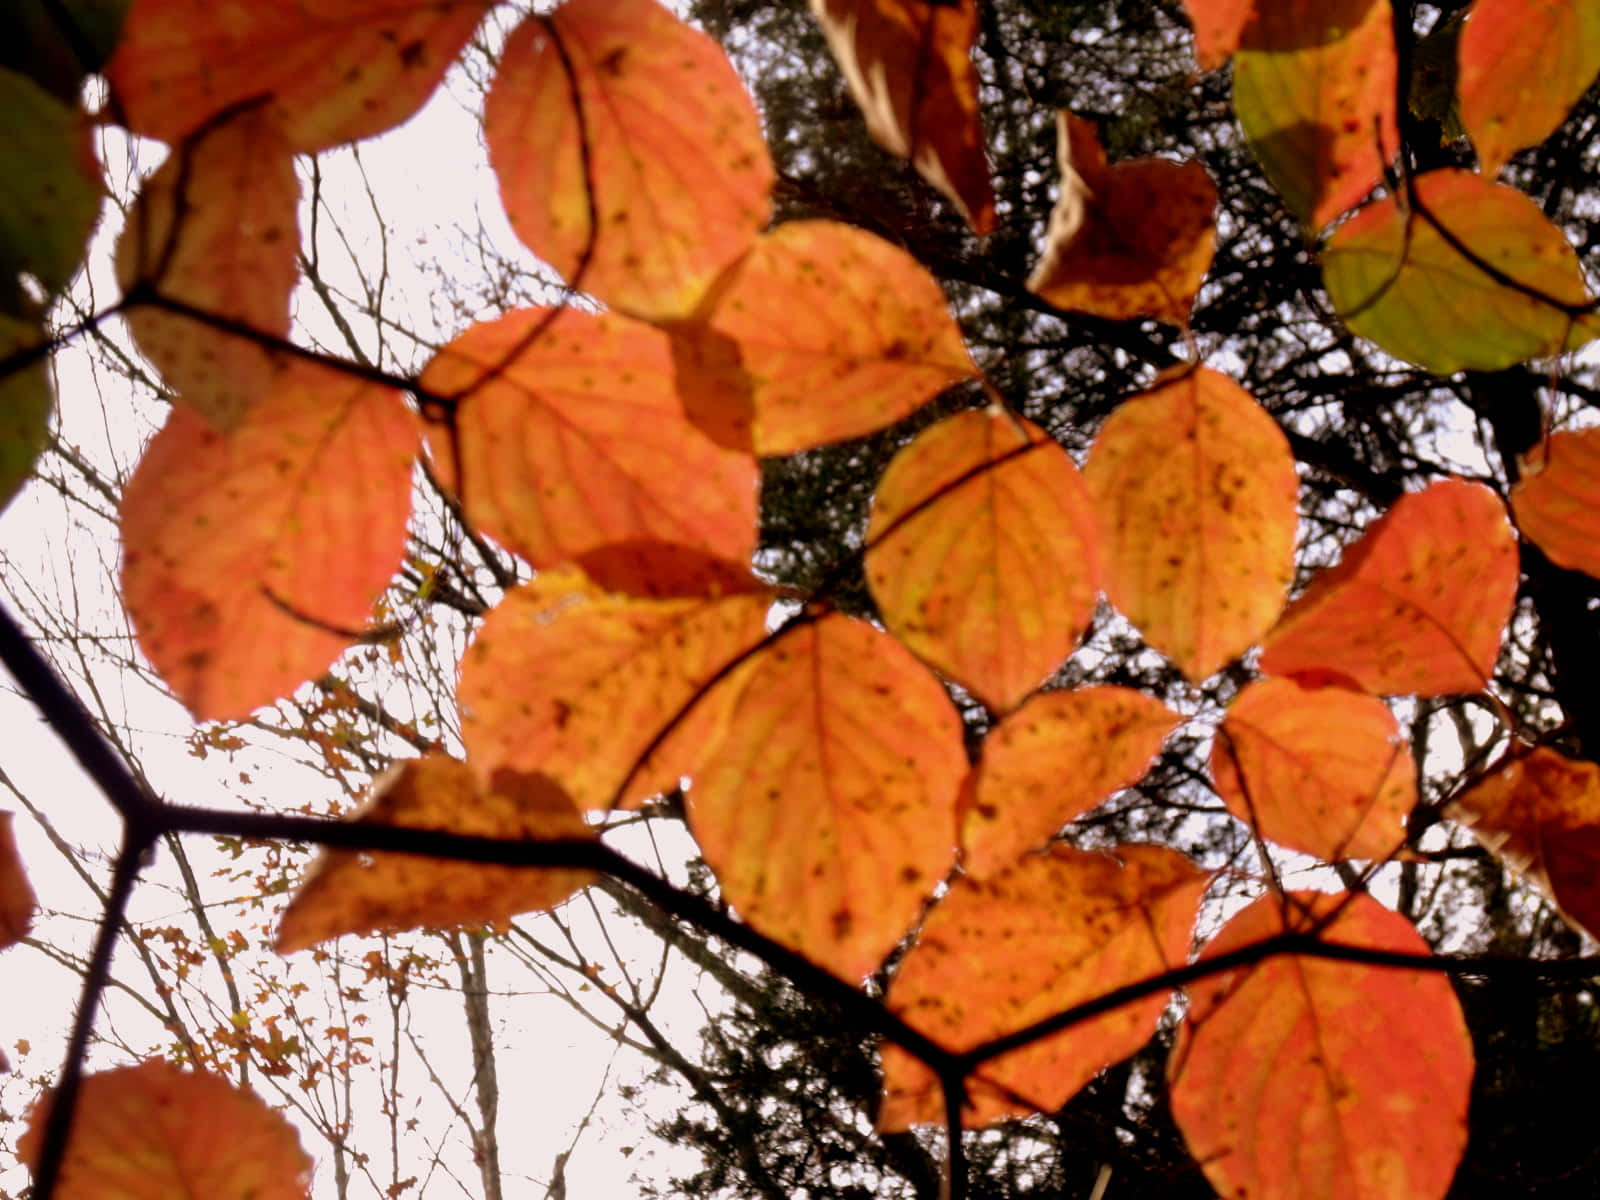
(17, 901)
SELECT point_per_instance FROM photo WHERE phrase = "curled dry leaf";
(1557, 499)
(983, 553)
(215, 229)
(600, 115)
(348, 891)
(1418, 605)
(17, 901)
(1126, 241)
(996, 955)
(1199, 553)
(1301, 1078)
(158, 1133)
(909, 66)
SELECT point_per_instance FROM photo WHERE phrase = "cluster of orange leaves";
(617, 453)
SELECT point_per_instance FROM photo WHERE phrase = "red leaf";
(827, 824)
(249, 557)
(337, 71)
(158, 1133)
(1557, 499)
(17, 901)
(618, 105)
(991, 579)
(1218, 25)
(1418, 605)
(909, 67)
(1301, 1078)
(997, 955)
(216, 229)
(1199, 553)
(562, 431)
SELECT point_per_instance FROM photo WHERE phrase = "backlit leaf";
(157, 1133)
(997, 955)
(1301, 1078)
(1314, 90)
(215, 228)
(1418, 605)
(56, 42)
(1218, 25)
(17, 902)
(49, 184)
(346, 891)
(1524, 64)
(1557, 499)
(1050, 762)
(984, 553)
(823, 332)
(618, 105)
(1540, 812)
(826, 802)
(1482, 280)
(909, 67)
(1199, 549)
(26, 402)
(576, 682)
(251, 557)
(1318, 769)
(1125, 241)
(337, 70)
(562, 432)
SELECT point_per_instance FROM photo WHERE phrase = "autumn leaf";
(1125, 241)
(1199, 550)
(1322, 770)
(158, 1133)
(1417, 606)
(564, 421)
(1050, 762)
(17, 901)
(1480, 280)
(26, 404)
(337, 71)
(1301, 1078)
(1524, 64)
(215, 229)
(1539, 811)
(251, 558)
(997, 955)
(983, 553)
(629, 155)
(1314, 90)
(347, 891)
(49, 184)
(825, 802)
(576, 681)
(908, 64)
(56, 43)
(1556, 501)
(1218, 25)
(823, 332)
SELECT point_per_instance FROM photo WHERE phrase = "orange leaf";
(997, 955)
(615, 111)
(1050, 762)
(1524, 64)
(1418, 605)
(826, 802)
(909, 67)
(1218, 25)
(337, 71)
(17, 901)
(1125, 241)
(984, 554)
(1540, 812)
(1557, 500)
(1199, 552)
(1301, 1078)
(823, 332)
(576, 682)
(1314, 90)
(249, 557)
(348, 891)
(1396, 278)
(215, 228)
(158, 1133)
(1318, 769)
(562, 431)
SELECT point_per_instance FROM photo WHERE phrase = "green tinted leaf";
(49, 190)
(25, 406)
(57, 44)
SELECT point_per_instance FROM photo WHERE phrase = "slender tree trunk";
(486, 1086)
